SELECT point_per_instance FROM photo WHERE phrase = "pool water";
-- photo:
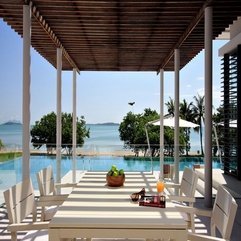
(11, 171)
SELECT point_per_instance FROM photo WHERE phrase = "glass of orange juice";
(160, 186)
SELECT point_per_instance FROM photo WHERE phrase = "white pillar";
(74, 129)
(26, 91)
(176, 113)
(161, 122)
(208, 107)
(59, 119)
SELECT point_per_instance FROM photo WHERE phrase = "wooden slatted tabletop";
(94, 210)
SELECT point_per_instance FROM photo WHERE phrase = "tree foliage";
(132, 132)
(132, 128)
(1, 144)
(187, 113)
(199, 111)
(217, 119)
(44, 132)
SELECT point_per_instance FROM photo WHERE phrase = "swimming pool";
(11, 171)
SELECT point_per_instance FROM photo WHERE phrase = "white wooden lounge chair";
(184, 193)
(221, 217)
(21, 204)
(186, 189)
(48, 193)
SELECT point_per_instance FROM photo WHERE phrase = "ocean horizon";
(102, 136)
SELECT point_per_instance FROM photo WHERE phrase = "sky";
(101, 96)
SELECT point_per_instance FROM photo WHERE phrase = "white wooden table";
(94, 210)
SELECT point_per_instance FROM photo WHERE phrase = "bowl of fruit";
(115, 177)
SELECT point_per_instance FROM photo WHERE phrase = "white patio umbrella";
(168, 121)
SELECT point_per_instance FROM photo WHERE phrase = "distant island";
(106, 123)
(19, 123)
(11, 123)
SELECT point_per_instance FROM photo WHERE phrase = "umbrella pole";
(149, 148)
(217, 142)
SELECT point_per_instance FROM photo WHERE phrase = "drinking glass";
(160, 186)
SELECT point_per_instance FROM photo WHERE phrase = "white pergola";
(119, 36)
(208, 104)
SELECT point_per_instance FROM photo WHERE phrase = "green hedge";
(9, 155)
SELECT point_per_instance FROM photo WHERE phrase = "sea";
(102, 137)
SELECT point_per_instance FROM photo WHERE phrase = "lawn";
(5, 156)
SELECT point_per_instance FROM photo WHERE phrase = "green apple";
(115, 174)
(110, 173)
(121, 172)
(113, 168)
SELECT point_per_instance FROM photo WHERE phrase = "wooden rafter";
(126, 35)
(185, 34)
(43, 23)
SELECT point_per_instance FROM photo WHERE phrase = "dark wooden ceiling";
(120, 35)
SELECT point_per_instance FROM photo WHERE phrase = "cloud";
(200, 78)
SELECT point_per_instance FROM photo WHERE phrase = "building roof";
(119, 35)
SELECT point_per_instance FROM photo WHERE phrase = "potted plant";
(115, 177)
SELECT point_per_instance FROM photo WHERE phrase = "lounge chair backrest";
(188, 182)
(20, 201)
(224, 211)
(46, 181)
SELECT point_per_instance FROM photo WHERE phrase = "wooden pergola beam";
(43, 23)
(185, 34)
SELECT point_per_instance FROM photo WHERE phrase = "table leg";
(53, 235)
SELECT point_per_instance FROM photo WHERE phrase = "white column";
(59, 114)
(176, 113)
(208, 107)
(161, 122)
(26, 91)
(74, 129)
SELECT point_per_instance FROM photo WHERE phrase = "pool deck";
(231, 183)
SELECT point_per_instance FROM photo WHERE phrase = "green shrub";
(9, 156)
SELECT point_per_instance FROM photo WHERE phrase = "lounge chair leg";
(14, 236)
(192, 219)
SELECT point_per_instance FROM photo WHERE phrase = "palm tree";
(170, 106)
(199, 116)
(187, 113)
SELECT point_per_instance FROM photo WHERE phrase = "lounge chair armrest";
(172, 188)
(172, 185)
(186, 209)
(63, 185)
(181, 198)
(200, 237)
(28, 226)
(192, 210)
(50, 200)
(204, 212)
